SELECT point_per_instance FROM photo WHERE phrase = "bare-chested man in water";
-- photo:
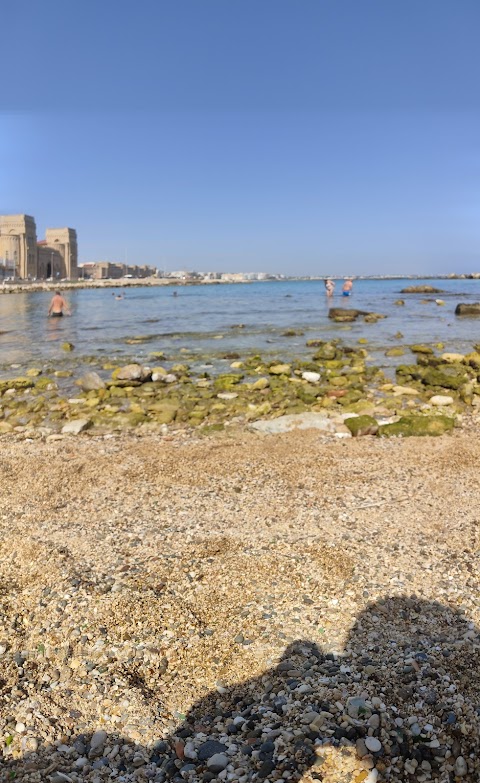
(58, 306)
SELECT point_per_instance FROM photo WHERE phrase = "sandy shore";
(138, 576)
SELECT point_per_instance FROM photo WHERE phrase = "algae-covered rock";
(362, 425)
(33, 372)
(453, 358)
(448, 376)
(164, 412)
(5, 427)
(472, 308)
(421, 289)
(421, 349)
(280, 369)
(344, 314)
(227, 380)
(67, 347)
(63, 373)
(396, 351)
(17, 383)
(262, 383)
(411, 426)
(292, 333)
(473, 359)
(372, 318)
(325, 352)
(399, 302)
(45, 384)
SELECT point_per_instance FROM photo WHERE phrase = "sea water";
(211, 321)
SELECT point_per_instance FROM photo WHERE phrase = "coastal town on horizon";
(24, 259)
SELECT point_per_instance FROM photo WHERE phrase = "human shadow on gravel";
(400, 704)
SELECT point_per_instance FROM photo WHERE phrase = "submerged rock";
(421, 289)
(345, 315)
(91, 381)
(468, 309)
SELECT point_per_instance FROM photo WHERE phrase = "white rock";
(373, 744)
(227, 395)
(20, 728)
(294, 421)
(75, 427)
(461, 768)
(441, 399)
(311, 377)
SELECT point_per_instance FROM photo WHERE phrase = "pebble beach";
(240, 606)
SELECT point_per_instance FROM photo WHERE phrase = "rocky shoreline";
(181, 608)
(338, 388)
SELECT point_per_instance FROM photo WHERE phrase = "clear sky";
(300, 136)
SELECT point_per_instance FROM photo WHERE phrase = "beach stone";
(311, 377)
(5, 427)
(262, 383)
(406, 390)
(209, 749)
(280, 369)
(396, 351)
(76, 426)
(373, 744)
(441, 399)
(97, 744)
(456, 358)
(358, 707)
(292, 421)
(439, 302)
(67, 347)
(217, 762)
(460, 768)
(91, 381)
(227, 395)
(468, 309)
(131, 372)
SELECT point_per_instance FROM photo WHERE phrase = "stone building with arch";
(22, 256)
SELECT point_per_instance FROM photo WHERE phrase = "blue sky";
(280, 136)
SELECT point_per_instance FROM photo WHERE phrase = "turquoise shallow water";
(204, 319)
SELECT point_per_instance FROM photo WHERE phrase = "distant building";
(109, 270)
(22, 256)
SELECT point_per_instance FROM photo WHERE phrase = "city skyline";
(306, 140)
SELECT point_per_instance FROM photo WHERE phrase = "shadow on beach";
(400, 704)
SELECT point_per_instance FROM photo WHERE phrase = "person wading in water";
(57, 306)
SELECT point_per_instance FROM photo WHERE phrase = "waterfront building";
(21, 256)
(108, 270)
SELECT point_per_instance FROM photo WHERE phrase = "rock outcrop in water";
(421, 289)
(472, 308)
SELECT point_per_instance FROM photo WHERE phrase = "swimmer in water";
(57, 306)
(175, 293)
(329, 287)
(347, 287)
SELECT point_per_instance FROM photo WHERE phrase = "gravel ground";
(240, 607)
